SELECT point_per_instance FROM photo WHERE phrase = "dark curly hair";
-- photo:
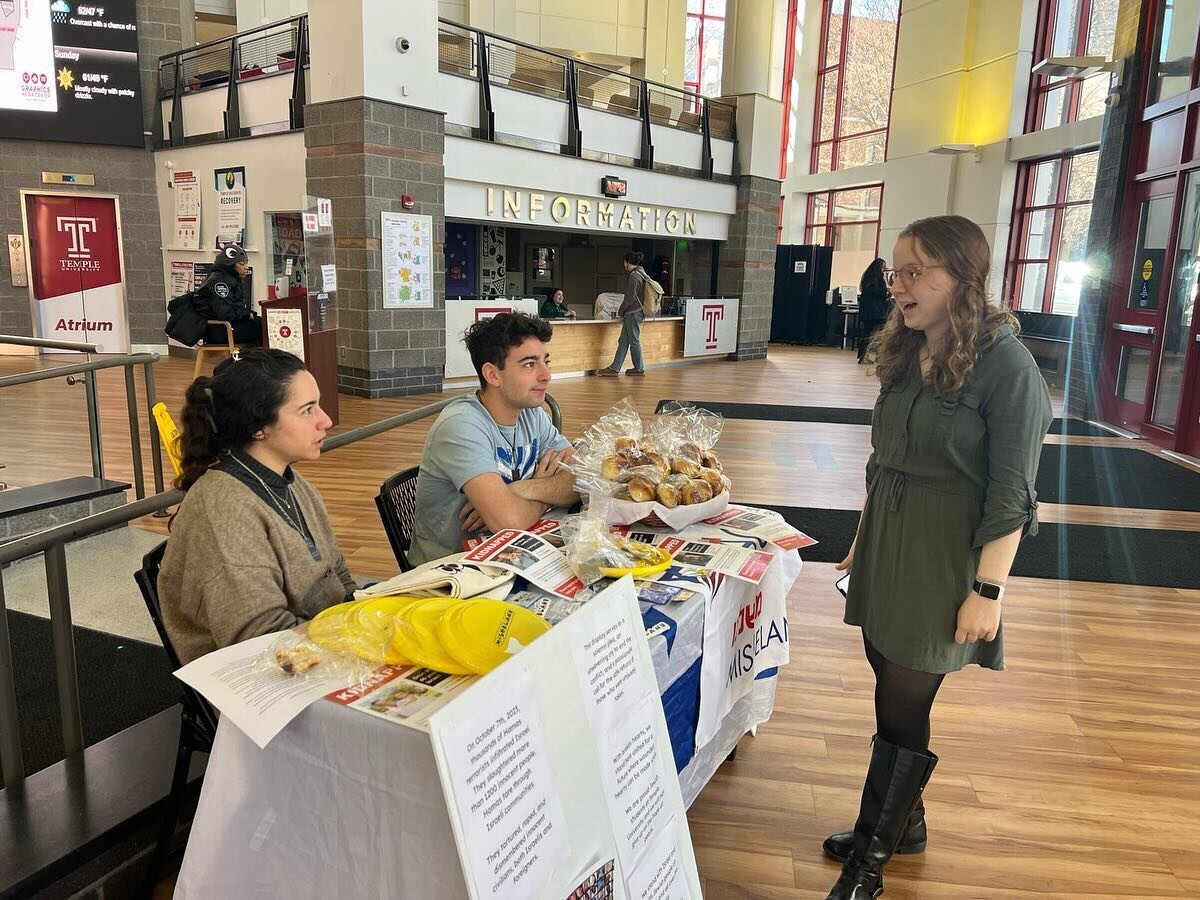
(489, 340)
(224, 412)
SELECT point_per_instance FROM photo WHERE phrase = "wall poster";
(407, 261)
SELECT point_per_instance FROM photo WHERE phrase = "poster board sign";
(285, 330)
(76, 269)
(16, 260)
(187, 211)
(183, 276)
(710, 327)
(231, 206)
(462, 314)
(558, 765)
(407, 261)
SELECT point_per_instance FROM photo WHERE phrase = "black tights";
(903, 699)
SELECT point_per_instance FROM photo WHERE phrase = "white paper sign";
(183, 277)
(324, 212)
(461, 314)
(260, 700)
(800, 267)
(503, 790)
(710, 327)
(660, 874)
(187, 211)
(634, 781)
(285, 331)
(328, 278)
(231, 214)
(16, 260)
(407, 261)
(310, 223)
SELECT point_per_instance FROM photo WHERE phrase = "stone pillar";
(364, 155)
(1112, 177)
(747, 266)
(374, 133)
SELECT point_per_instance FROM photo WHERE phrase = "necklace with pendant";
(284, 505)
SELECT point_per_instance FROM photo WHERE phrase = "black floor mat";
(840, 415)
(1141, 556)
(1115, 476)
(121, 682)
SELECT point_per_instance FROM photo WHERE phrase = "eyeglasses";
(909, 275)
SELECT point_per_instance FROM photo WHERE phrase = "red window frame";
(703, 17)
(826, 229)
(1023, 212)
(1041, 86)
(824, 69)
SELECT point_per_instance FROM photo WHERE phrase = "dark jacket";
(221, 297)
(551, 310)
(873, 300)
(633, 292)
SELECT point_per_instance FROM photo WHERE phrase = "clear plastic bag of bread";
(668, 459)
(591, 546)
(293, 654)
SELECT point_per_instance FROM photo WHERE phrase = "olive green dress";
(947, 474)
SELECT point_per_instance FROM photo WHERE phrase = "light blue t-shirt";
(464, 442)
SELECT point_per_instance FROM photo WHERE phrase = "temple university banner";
(77, 280)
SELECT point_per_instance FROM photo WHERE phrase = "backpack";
(184, 323)
(652, 294)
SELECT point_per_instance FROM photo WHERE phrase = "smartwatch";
(989, 590)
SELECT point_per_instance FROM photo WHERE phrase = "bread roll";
(635, 459)
(697, 491)
(683, 466)
(688, 450)
(714, 479)
(679, 482)
(710, 460)
(660, 462)
(641, 488)
(611, 467)
(726, 484)
(625, 443)
(622, 493)
(668, 495)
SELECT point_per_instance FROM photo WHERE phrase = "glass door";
(1176, 400)
(1135, 308)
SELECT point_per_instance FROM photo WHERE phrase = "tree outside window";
(704, 46)
(1071, 28)
(854, 83)
(1047, 258)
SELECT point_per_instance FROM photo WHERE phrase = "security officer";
(222, 297)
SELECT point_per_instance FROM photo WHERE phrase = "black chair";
(196, 731)
(397, 503)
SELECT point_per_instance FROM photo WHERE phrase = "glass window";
(1048, 259)
(1071, 28)
(1181, 308)
(1154, 232)
(1133, 374)
(855, 83)
(854, 225)
(1172, 67)
(704, 47)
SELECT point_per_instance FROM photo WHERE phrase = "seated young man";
(492, 460)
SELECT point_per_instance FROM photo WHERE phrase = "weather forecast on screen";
(69, 72)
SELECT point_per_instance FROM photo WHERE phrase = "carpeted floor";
(1115, 476)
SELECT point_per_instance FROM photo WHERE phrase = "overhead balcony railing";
(497, 62)
(228, 64)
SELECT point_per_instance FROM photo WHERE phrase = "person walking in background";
(873, 298)
(632, 315)
(956, 437)
(555, 306)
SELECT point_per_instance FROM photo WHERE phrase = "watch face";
(989, 591)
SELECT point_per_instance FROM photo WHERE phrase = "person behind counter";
(873, 298)
(956, 438)
(631, 319)
(222, 296)
(251, 550)
(491, 459)
(555, 307)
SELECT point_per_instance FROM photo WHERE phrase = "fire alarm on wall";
(407, 201)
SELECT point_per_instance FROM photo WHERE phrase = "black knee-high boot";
(895, 779)
(840, 846)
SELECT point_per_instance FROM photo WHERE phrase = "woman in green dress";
(956, 433)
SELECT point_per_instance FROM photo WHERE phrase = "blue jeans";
(631, 340)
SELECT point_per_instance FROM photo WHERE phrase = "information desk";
(342, 803)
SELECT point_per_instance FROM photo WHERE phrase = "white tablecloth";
(343, 804)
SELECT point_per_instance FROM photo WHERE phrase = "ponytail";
(225, 412)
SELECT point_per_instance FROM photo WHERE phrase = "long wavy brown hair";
(957, 245)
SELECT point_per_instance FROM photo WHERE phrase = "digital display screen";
(69, 72)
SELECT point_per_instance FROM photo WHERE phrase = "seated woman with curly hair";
(251, 549)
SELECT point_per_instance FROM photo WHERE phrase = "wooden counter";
(580, 346)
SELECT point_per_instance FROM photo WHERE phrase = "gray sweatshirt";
(633, 292)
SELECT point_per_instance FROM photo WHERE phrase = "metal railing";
(273, 49)
(493, 59)
(84, 373)
(53, 542)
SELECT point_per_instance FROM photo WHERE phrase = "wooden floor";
(1073, 774)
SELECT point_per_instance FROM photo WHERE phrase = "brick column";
(1112, 176)
(747, 267)
(364, 155)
